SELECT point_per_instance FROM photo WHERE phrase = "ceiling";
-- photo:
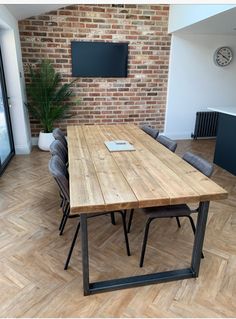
(222, 23)
(23, 11)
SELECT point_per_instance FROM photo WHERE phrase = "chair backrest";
(167, 142)
(59, 135)
(150, 131)
(199, 163)
(60, 173)
(57, 148)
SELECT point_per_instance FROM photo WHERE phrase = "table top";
(151, 175)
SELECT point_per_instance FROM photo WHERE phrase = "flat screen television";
(99, 59)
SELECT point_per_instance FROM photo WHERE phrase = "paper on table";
(119, 145)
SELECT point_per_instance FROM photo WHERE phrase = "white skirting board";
(23, 149)
(178, 136)
(34, 140)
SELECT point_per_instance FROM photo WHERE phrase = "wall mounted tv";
(99, 59)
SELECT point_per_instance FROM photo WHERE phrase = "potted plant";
(48, 100)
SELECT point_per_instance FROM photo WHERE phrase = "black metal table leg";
(149, 279)
(85, 257)
(199, 237)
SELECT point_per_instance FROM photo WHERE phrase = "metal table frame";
(153, 278)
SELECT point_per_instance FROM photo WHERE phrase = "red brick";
(91, 25)
(37, 22)
(85, 8)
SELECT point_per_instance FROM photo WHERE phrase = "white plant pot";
(45, 140)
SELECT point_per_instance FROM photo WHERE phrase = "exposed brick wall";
(139, 98)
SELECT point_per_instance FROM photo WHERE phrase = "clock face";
(223, 56)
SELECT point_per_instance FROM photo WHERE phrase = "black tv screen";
(99, 59)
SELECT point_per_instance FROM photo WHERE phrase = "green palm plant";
(48, 97)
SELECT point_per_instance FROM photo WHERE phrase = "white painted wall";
(13, 68)
(195, 82)
(183, 15)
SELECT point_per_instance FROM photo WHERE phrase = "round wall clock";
(223, 56)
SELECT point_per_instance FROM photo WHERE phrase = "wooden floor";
(34, 284)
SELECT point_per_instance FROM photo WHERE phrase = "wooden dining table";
(148, 176)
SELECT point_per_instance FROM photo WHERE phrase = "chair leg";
(62, 221)
(130, 220)
(113, 221)
(193, 228)
(72, 247)
(192, 224)
(66, 214)
(178, 222)
(62, 200)
(145, 241)
(64, 209)
(123, 215)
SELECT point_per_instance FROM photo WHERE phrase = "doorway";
(6, 139)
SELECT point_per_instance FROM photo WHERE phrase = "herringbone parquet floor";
(34, 284)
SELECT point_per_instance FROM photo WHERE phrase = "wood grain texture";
(164, 178)
(149, 176)
(202, 185)
(116, 191)
(146, 188)
(32, 255)
(85, 191)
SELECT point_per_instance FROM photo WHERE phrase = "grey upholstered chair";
(181, 210)
(167, 142)
(59, 171)
(150, 131)
(57, 148)
(199, 163)
(59, 135)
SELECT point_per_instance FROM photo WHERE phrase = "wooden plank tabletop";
(151, 175)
